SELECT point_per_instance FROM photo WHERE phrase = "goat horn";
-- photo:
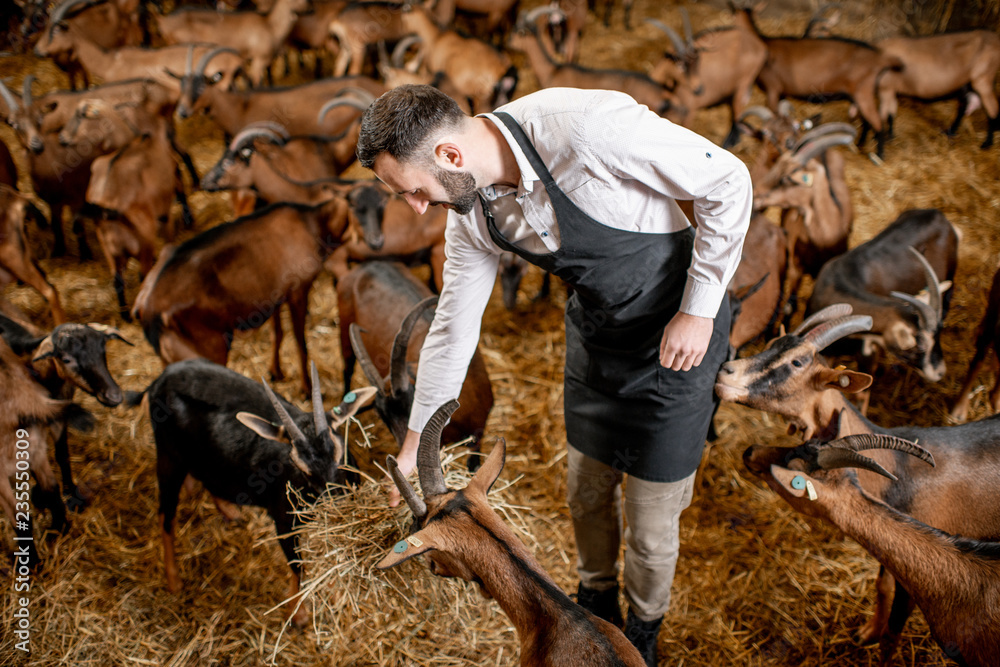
(8, 97)
(189, 61)
(828, 313)
(247, 136)
(527, 20)
(933, 284)
(205, 59)
(406, 490)
(367, 365)
(396, 60)
(824, 130)
(817, 147)
(763, 113)
(399, 380)
(319, 416)
(786, 109)
(26, 88)
(679, 46)
(359, 93)
(688, 33)
(290, 426)
(924, 311)
(842, 453)
(59, 13)
(429, 452)
(834, 330)
(342, 102)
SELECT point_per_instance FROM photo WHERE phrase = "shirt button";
(708, 155)
(544, 234)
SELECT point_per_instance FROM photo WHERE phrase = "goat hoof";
(867, 635)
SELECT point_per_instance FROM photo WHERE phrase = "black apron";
(622, 407)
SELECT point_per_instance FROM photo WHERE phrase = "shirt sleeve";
(470, 271)
(637, 145)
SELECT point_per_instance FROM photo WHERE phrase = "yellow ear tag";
(415, 541)
(811, 490)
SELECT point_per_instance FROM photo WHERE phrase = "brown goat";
(361, 25)
(256, 36)
(464, 537)
(236, 276)
(954, 580)
(823, 68)
(790, 378)
(944, 66)
(15, 255)
(713, 67)
(552, 74)
(380, 304)
(479, 73)
(756, 290)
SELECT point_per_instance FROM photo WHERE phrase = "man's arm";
(683, 165)
(470, 271)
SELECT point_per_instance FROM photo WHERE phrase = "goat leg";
(872, 631)
(279, 334)
(902, 607)
(76, 497)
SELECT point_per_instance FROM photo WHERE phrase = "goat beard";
(461, 189)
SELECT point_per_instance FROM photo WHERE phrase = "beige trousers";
(652, 536)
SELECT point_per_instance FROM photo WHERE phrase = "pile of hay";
(757, 584)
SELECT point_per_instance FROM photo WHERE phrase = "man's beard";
(461, 189)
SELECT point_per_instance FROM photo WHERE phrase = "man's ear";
(448, 154)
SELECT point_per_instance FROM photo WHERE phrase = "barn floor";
(757, 583)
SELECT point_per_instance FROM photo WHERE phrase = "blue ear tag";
(798, 482)
(401, 546)
(351, 397)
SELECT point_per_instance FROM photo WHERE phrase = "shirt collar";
(528, 175)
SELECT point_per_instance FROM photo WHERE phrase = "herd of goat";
(106, 151)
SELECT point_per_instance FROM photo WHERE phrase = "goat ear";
(352, 403)
(45, 349)
(843, 380)
(420, 542)
(261, 426)
(299, 461)
(487, 475)
(786, 478)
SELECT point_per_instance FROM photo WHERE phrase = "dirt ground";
(757, 583)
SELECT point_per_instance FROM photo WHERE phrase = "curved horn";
(205, 59)
(842, 453)
(786, 109)
(266, 129)
(26, 87)
(429, 452)
(679, 46)
(396, 60)
(528, 18)
(319, 416)
(189, 61)
(822, 131)
(59, 13)
(820, 316)
(416, 505)
(399, 380)
(367, 365)
(290, 426)
(8, 97)
(763, 113)
(340, 102)
(688, 33)
(933, 284)
(359, 93)
(834, 330)
(816, 147)
(928, 319)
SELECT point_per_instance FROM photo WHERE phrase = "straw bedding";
(757, 584)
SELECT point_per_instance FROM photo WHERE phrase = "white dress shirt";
(621, 164)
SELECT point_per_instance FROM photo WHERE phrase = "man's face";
(423, 186)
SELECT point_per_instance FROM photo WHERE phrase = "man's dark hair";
(400, 122)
